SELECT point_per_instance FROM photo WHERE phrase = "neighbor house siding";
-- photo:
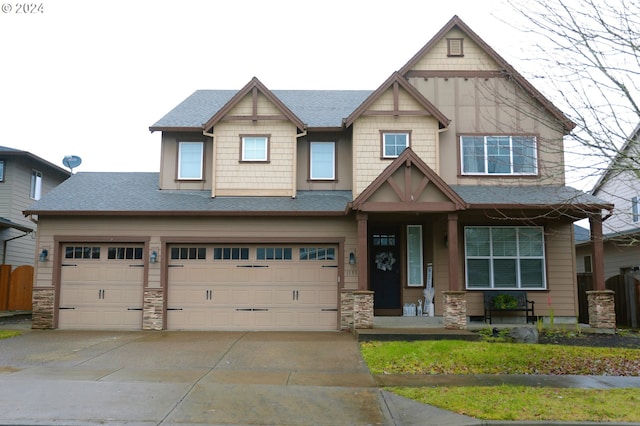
(619, 189)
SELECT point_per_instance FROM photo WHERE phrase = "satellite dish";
(71, 161)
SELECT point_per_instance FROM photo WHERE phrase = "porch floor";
(416, 328)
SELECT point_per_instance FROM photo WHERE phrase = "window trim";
(334, 165)
(384, 133)
(267, 148)
(35, 190)
(536, 169)
(491, 257)
(2, 164)
(179, 168)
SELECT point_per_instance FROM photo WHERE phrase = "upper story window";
(498, 155)
(36, 185)
(190, 159)
(1, 170)
(635, 209)
(393, 144)
(254, 148)
(322, 161)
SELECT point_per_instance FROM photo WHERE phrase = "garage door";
(253, 287)
(101, 287)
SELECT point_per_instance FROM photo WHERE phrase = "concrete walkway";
(160, 378)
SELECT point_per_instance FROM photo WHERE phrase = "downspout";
(4, 248)
(213, 161)
(294, 184)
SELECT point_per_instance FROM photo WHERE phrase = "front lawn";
(5, 334)
(512, 402)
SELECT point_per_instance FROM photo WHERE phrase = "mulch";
(622, 339)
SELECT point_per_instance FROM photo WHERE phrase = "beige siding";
(194, 227)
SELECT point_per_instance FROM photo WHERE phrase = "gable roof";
(394, 82)
(409, 196)
(315, 108)
(508, 70)
(622, 153)
(12, 152)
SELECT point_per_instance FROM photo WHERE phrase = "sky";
(88, 78)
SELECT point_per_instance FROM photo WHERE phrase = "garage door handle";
(134, 309)
(136, 266)
(329, 266)
(69, 264)
(176, 266)
(329, 310)
(174, 309)
(63, 307)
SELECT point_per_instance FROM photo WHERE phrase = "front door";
(384, 270)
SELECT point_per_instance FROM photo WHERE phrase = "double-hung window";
(322, 161)
(504, 257)
(190, 159)
(36, 185)
(393, 144)
(498, 155)
(635, 209)
(254, 148)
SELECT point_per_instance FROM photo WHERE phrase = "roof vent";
(454, 47)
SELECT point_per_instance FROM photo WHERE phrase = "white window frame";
(1, 170)
(313, 170)
(486, 156)
(182, 157)
(264, 158)
(492, 257)
(635, 209)
(415, 263)
(36, 185)
(384, 143)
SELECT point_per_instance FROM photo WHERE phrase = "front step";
(411, 328)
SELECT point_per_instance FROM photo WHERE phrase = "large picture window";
(393, 144)
(255, 148)
(504, 257)
(190, 160)
(322, 161)
(498, 155)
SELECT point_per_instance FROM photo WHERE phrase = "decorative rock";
(524, 334)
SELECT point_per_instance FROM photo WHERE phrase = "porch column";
(602, 312)
(452, 242)
(363, 253)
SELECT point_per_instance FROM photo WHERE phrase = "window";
(36, 185)
(273, 253)
(322, 163)
(1, 170)
(498, 155)
(317, 253)
(190, 160)
(635, 209)
(124, 253)
(393, 144)
(192, 253)
(230, 253)
(587, 264)
(255, 148)
(504, 257)
(80, 252)
(414, 256)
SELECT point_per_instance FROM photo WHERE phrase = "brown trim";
(363, 251)
(446, 74)
(381, 206)
(268, 148)
(184, 213)
(597, 251)
(458, 52)
(60, 240)
(508, 71)
(384, 132)
(453, 252)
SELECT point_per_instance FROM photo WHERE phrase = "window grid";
(82, 252)
(498, 155)
(314, 253)
(188, 253)
(124, 253)
(393, 144)
(274, 253)
(254, 148)
(230, 253)
(510, 257)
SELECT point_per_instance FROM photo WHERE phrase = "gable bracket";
(396, 188)
(254, 99)
(396, 99)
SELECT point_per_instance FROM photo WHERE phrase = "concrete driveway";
(98, 377)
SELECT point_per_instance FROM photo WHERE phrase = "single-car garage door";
(253, 287)
(101, 286)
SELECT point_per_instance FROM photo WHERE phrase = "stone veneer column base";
(362, 309)
(455, 310)
(602, 309)
(152, 310)
(42, 310)
(346, 310)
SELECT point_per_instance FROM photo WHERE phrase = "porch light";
(352, 258)
(154, 257)
(44, 255)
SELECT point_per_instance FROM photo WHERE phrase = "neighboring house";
(619, 185)
(24, 177)
(316, 210)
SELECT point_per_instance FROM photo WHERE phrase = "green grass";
(528, 403)
(5, 334)
(460, 357)
(512, 402)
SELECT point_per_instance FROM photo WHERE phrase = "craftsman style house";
(317, 210)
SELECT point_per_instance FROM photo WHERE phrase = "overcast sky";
(88, 78)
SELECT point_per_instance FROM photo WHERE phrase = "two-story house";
(24, 177)
(620, 185)
(316, 210)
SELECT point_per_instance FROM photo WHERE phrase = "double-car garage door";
(209, 287)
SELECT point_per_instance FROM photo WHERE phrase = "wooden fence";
(626, 299)
(16, 288)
